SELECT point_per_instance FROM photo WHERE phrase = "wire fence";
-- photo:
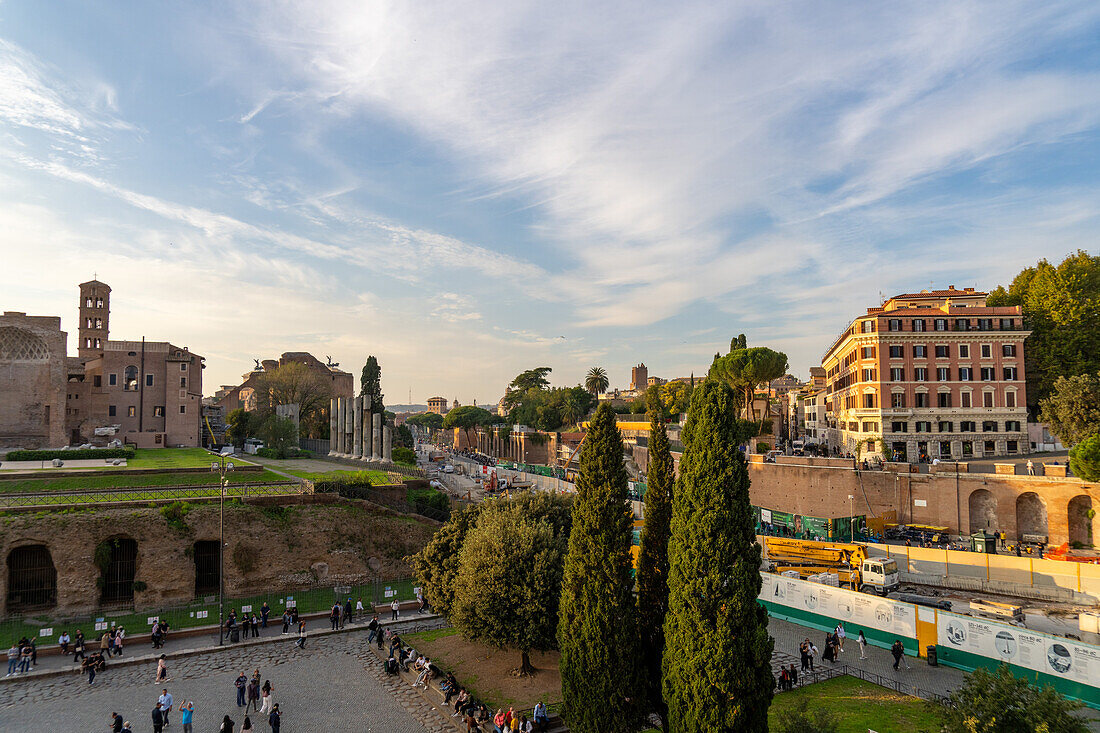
(895, 685)
(145, 494)
(203, 611)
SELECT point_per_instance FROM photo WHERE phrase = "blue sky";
(470, 189)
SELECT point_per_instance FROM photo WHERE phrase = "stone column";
(387, 444)
(349, 425)
(338, 436)
(332, 426)
(368, 428)
(357, 437)
(376, 438)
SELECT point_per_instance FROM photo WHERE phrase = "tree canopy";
(467, 417)
(1061, 307)
(370, 383)
(1073, 408)
(676, 397)
(746, 368)
(998, 702)
(1084, 459)
(432, 420)
(596, 381)
(294, 383)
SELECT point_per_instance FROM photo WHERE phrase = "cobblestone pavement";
(335, 683)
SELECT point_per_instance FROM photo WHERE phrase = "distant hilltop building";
(438, 405)
(639, 378)
(243, 396)
(146, 393)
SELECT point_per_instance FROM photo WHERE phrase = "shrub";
(1084, 459)
(283, 453)
(404, 455)
(763, 447)
(175, 514)
(799, 719)
(429, 502)
(72, 455)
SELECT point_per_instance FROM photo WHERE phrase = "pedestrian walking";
(120, 636)
(187, 711)
(265, 611)
(240, 683)
(256, 626)
(227, 725)
(246, 726)
(275, 719)
(374, 627)
(334, 616)
(301, 643)
(347, 611)
(840, 636)
(165, 701)
(862, 641)
(395, 607)
(254, 693)
(162, 669)
(359, 609)
(899, 654)
(286, 621)
(116, 723)
(268, 698)
(78, 646)
(158, 719)
(89, 666)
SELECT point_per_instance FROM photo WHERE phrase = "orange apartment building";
(934, 374)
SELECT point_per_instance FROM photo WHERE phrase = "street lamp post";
(851, 519)
(221, 468)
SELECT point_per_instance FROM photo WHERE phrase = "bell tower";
(95, 309)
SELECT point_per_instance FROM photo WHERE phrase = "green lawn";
(61, 482)
(375, 477)
(176, 458)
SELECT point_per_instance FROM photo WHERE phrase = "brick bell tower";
(95, 310)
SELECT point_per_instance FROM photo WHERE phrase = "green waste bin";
(930, 650)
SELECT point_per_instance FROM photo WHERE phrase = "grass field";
(375, 477)
(61, 482)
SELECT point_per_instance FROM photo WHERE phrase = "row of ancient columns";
(355, 432)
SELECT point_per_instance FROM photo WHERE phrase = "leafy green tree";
(1073, 408)
(1084, 459)
(404, 455)
(998, 702)
(717, 673)
(676, 397)
(508, 585)
(1060, 305)
(653, 563)
(531, 379)
(739, 342)
(596, 630)
(745, 369)
(466, 417)
(403, 438)
(430, 420)
(370, 383)
(550, 409)
(295, 384)
(436, 565)
(596, 381)
(240, 425)
(279, 433)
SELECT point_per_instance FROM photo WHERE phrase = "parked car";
(448, 468)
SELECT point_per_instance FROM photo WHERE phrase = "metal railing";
(895, 685)
(145, 494)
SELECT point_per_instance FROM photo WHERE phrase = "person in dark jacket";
(116, 723)
(275, 719)
(158, 719)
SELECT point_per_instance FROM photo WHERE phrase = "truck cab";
(880, 573)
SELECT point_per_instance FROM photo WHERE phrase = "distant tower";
(95, 310)
(639, 378)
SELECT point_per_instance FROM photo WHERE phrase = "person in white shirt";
(165, 701)
(425, 666)
(840, 636)
(63, 642)
(359, 608)
(395, 607)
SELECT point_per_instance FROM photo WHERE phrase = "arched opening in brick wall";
(983, 511)
(32, 579)
(207, 569)
(118, 567)
(1079, 521)
(1031, 515)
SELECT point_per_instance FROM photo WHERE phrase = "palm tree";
(596, 381)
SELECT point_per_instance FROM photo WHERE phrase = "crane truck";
(850, 561)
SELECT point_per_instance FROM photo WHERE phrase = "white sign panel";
(152, 620)
(45, 632)
(850, 607)
(766, 516)
(202, 614)
(291, 603)
(391, 593)
(246, 609)
(1053, 655)
(416, 591)
(101, 626)
(920, 502)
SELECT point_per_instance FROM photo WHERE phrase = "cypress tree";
(596, 627)
(716, 664)
(653, 564)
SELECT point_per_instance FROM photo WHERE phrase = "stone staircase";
(433, 695)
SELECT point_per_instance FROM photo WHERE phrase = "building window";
(867, 352)
(1010, 399)
(897, 400)
(183, 367)
(987, 399)
(962, 324)
(918, 324)
(943, 351)
(895, 324)
(985, 324)
(968, 448)
(895, 352)
(987, 374)
(1008, 324)
(129, 379)
(899, 427)
(869, 375)
(183, 409)
(989, 426)
(87, 323)
(112, 380)
(1012, 426)
(1010, 374)
(964, 399)
(922, 399)
(98, 344)
(110, 410)
(920, 352)
(920, 374)
(943, 374)
(868, 326)
(158, 411)
(131, 411)
(869, 401)
(897, 375)
(941, 324)
(923, 426)
(99, 323)
(964, 351)
(967, 426)
(965, 374)
(87, 302)
(87, 343)
(987, 351)
(945, 426)
(148, 380)
(990, 447)
(943, 399)
(99, 302)
(97, 381)
(1013, 446)
(1008, 349)
(870, 427)
(183, 382)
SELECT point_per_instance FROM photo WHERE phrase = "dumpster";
(930, 650)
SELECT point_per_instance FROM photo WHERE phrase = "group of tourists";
(22, 657)
(249, 624)
(249, 693)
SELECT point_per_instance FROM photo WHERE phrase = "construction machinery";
(851, 562)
